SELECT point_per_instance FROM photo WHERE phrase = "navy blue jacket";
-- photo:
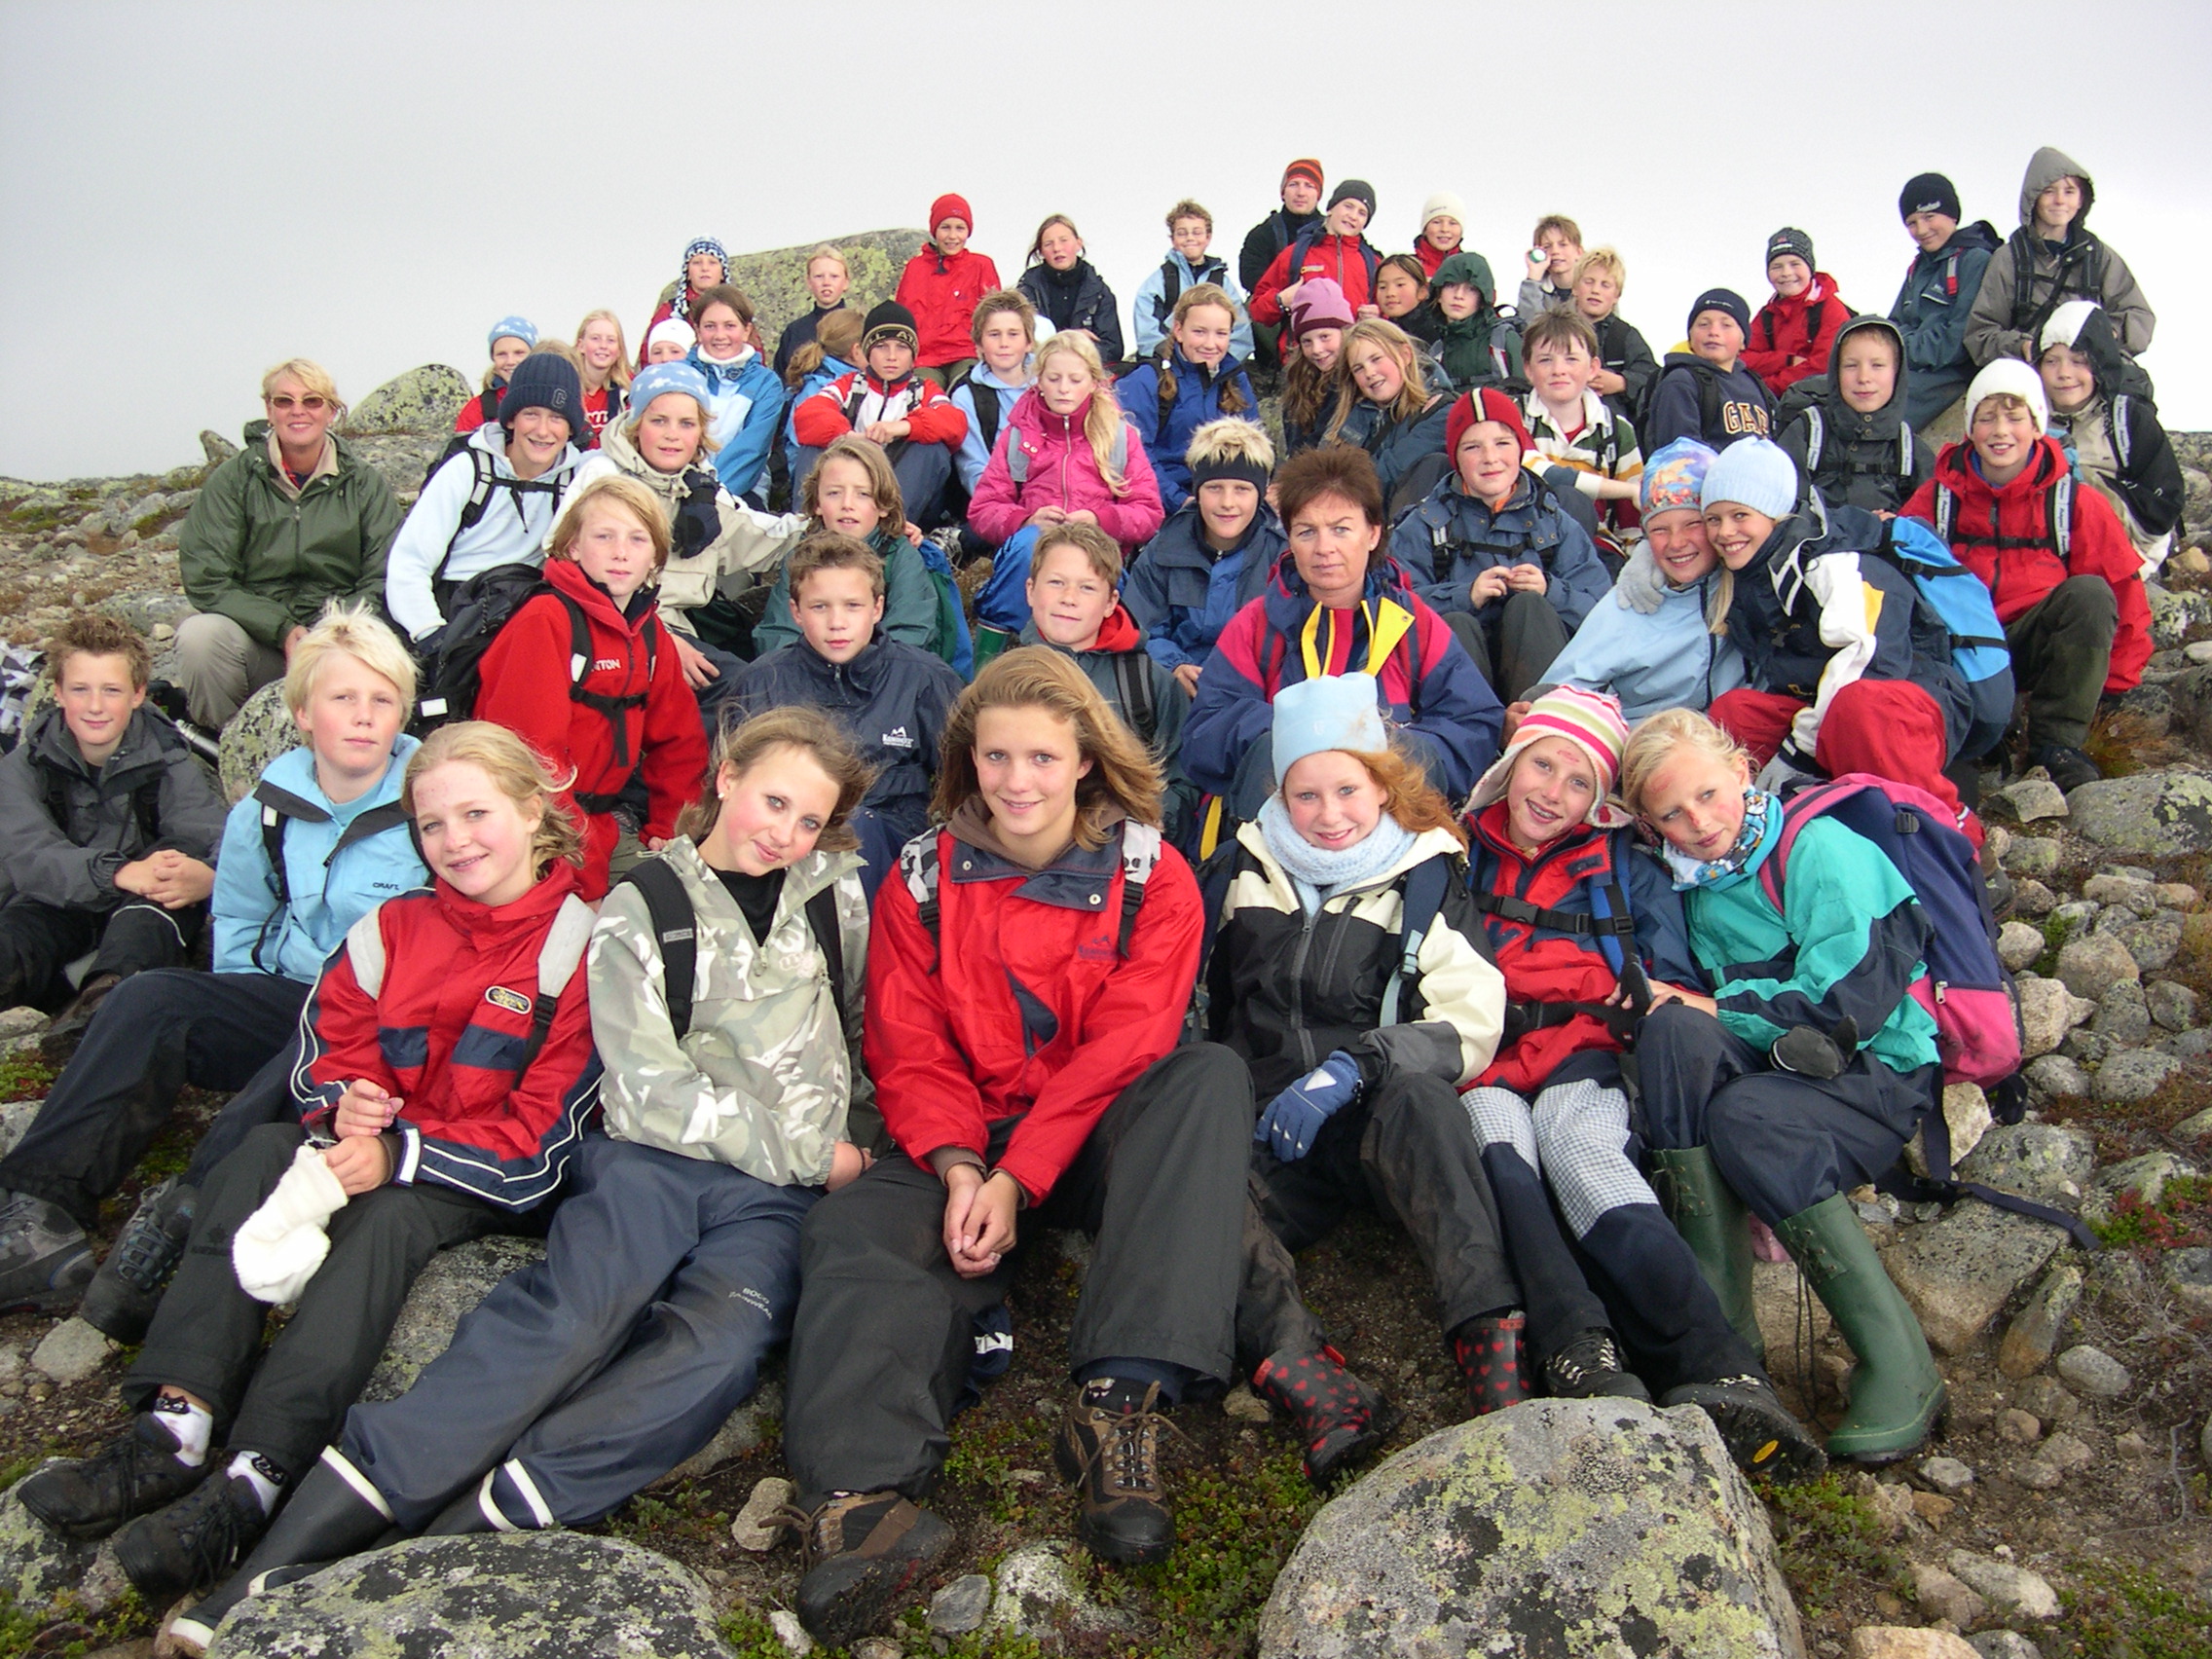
(1451, 538)
(1396, 445)
(893, 698)
(1197, 401)
(1182, 593)
(1077, 298)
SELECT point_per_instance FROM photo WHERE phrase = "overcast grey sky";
(194, 192)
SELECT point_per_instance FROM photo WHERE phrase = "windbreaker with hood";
(1932, 310)
(941, 294)
(2115, 440)
(910, 601)
(431, 548)
(1196, 399)
(1182, 593)
(1063, 474)
(1874, 460)
(1076, 298)
(1154, 305)
(746, 406)
(1802, 326)
(1668, 659)
(2028, 277)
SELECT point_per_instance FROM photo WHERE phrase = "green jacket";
(250, 551)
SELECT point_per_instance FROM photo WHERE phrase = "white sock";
(193, 1425)
(250, 1465)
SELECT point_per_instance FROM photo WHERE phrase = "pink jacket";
(1063, 474)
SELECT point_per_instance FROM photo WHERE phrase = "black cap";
(1723, 299)
(1930, 193)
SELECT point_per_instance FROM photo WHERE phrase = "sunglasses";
(311, 402)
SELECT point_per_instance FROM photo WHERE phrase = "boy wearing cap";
(1707, 392)
(892, 406)
(940, 287)
(1335, 248)
(1795, 331)
(1938, 294)
(1301, 190)
(2056, 557)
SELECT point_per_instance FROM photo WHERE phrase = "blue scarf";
(1318, 873)
(1762, 827)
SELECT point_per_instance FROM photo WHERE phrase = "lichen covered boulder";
(1600, 1529)
(421, 400)
(262, 729)
(2151, 814)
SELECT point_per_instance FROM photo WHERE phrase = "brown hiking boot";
(59, 1041)
(1109, 1448)
(862, 1550)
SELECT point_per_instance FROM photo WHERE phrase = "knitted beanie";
(1320, 304)
(1674, 479)
(1443, 204)
(671, 329)
(951, 207)
(1790, 240)
(1305, 167)
(2001, 376)
(890, 320)
(2064, 327)
(1928, 193)
(1337, 711)
(664, 378)
(545, 379)
(1721, 299)
(1757, 473)
(707, 245)
(1484, 404)
(512, 328)
(1591, 721)
(1355, 190)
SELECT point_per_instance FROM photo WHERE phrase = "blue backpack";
(1960, 601)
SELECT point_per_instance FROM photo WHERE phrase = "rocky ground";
(2062, 1508)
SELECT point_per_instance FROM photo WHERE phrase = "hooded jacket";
(1395, 444)
(1154, 305)
(941, 294)
(891, 699)
(1452, 536)
(2028, 277)
(2020, 578)
(1669, 659)
(910, 598)
(270, 557)
(1429, 688)
(512, 531)
(1076, 298)
(334, 877)
(1023, 1008)
(1063, 474)
(1288, 989)
(1931, 312)
(432, 997)
(1802, 326)
(1197, 393)
(1872, 460)
(1480, 350)
(853, 402)
(766, 1077)
(72, 864)
(748, 404)
(1182, 593)
(1350, 262)
(527, 682)
(2115, 440)
(1118, 638)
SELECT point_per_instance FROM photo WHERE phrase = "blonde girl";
(1191, 379)
(1386, 407)
(603, 359)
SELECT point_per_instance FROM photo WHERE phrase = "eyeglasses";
(311, 403)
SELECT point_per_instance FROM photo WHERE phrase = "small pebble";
(2021, 1427)
(790, 1632)
(2038, 1474)
(1244, 1406)
(756, 1528)
(2093, 1372)
(962, 1605)
(2069, 1451)
(1947, 1475)
(2131, 1445)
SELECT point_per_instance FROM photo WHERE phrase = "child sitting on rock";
(887, 403)
(2110, 429)
(511, 340)
(1849, 439)
(827, 280)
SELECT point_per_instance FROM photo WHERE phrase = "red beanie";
(1487, 403)
(951, 207)
(1304, 167)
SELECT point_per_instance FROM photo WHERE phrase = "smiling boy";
(1706, 393)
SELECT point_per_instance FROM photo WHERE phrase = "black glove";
(697, 519)
(1810, 1051)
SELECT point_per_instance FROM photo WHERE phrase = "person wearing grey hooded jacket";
(2037, 271)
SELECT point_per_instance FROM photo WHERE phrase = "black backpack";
(1210, 269)
(676, 924)
(1132, 684)
(986, 407)
(487, 408)
(278, 808)
(487, 479)
(1709, 399)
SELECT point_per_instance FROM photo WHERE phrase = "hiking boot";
(1489, 1351)
(1109, 1448)
(1340, 1420)
(2068, 766)
(863, 1551)
(1590, 1368)
(195, 1541)
(59, 1041)
(121, 1300)
(191, 1631)
(1761, 1434)
(133, 1475)
(44, 1263)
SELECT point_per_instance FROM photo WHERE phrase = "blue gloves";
(1295, 1116)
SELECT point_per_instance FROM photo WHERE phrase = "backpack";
(278, 808)
(1709, 399)
(1140, 857)
(1133, 685)
(1964, 607)
(2057, 521)
(954, 643)
(986, 401)
(486, 480)
(1444, 547)
(1900, 465)
(488, 413)
(1018, 457)
(675, 923)
(1816, 314)
(1210, 269)
(1611, 921)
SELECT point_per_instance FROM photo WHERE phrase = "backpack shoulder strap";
(1946, 507)
(2058, 516)
(821, 918)
(1423, 899)
(278, 808)
(918, 869)
(1140, 857)
(1816, 433)
(472, 509)
(557, 962)
(1132, 679)
(676, 924)
(1905, 449)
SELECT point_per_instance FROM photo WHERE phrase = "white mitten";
(282, 1242)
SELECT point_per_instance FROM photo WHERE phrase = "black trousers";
(207, 1332)
(1514, 641)
(38, 939)
(884, 1334)
(2061, 656)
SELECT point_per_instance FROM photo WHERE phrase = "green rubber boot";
(1895, 1393)
(1713, 1220)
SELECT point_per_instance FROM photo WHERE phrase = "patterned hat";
(1592, 721)
(512, 328)
(1674, 478)
(664, 378)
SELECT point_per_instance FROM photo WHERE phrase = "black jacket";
(1622, 349)
(893, 698)
(1266, 238)
(1871, 460)
(1077, 298)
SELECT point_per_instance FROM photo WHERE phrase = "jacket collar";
(1079, 878)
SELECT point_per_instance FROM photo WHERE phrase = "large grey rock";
(2188, 1274)
(146, 611)
(2089, 964)
(2093, 1372)
(1904, 1642)
(2128, 892)
(961, 1606)
(2032, 799)
(1959, 1271)
(2134, 1075)
(2020, 945)
(1945, 1597)
(421, 400)
(262, 729)
(2173, 1007)
(2122, 1017)
(2154, 814)
(2145, 1176)
(1560, 1527)
(554, 1595)
(776, 280)
(2031, 855)
(2039, 1160)
(2049, 1011)
(2055, 1077)
(2003, 1645)
(37, 1564)
(2013, 1591)
(71, 1352)
(455, 1281)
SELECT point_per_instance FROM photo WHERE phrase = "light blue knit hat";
(664, 378)
(1339, 711)
(1755, 473)
(518, 327)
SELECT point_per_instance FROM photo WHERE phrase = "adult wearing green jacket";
(291, 522)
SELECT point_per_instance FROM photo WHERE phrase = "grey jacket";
(762, 1081)
(74, 864)
(2029, 277)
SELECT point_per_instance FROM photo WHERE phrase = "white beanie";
(1442, 202)
(671, 329)
(2065, 324)
(2008, 375)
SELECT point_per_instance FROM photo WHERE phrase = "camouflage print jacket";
(760, 1081)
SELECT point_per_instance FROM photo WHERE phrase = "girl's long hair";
(517, 771)
(1306, 389)
(1412, 397)
(1103, 421)
(1163, 359)
(619, 374)
(741, 743)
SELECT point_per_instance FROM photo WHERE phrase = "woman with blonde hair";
(1028, 971)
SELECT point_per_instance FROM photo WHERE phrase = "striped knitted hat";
(1592, 721)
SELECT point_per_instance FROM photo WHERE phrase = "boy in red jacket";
(1026, 981)
(1796, 331)
(940, 286)
(617, 710)
(910, 418)
(2055, 557)
(1335, 248)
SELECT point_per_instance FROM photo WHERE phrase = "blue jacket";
(1931, 312)
(1668, 659)
(1197, 401)
(1396, 445)
(1451, 538)
(973, 454)
(820, 376)
(1182, 594)
(334, 881)
(1154, 305)
(1680, 399)
(747, 407)
(891, 699)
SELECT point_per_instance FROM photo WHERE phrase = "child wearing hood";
(1793, 332)
(2110, 427)
(2053, 257)
(1475, 345)
(705, 265)
(940, 285)
(1849, 437)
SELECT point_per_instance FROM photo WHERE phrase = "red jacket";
(931, 418)
(2020, 579)
(941, 293)
(431, 998)
(1063, 474)
(526, 681)
(1341, 258)
(1786, 329)
(1431, 257)
(952, 1051)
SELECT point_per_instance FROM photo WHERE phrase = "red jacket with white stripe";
(854, 402)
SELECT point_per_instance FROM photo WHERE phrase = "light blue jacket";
(1666, 660)
(972, 456)
(748, 405)
(1151, 328)
(334, 882)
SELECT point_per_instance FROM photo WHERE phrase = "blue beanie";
(707, 245)
(664, 378)
(512, 327)
(1755, 473)
(1340, 711)
(545, 379)
(1723, 299)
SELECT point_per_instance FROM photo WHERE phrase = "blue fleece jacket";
(1149, 312)
(974, 455)
(1668, 659)
(748, 406)
(1450, 537)
(1931, 312)
(1197, 401)
(1182, 594)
